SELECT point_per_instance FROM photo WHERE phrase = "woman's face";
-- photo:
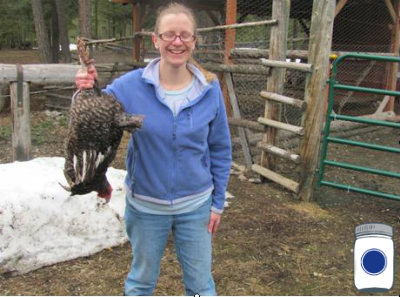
(175, 52)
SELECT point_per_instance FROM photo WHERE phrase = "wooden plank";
(279, 179)
(277, 51)
(21, 128)
(279, 125)
(236, 115)
(283, 99)
(315, 93)
(290, 65)
(279, 152)
(340, 6)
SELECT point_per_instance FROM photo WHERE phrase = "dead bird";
(96, 125)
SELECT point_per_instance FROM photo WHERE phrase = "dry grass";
(268, 243)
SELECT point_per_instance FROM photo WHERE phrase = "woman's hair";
(175, 8)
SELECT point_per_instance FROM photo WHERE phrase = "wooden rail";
(283, 99)
(279, 152)
(279, 125)
(276, 177)
(290, 65)
(40, 73)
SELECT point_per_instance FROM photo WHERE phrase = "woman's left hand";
(215, 219)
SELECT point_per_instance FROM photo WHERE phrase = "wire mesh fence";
(361, 25)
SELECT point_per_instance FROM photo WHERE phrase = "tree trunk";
(55, 40)
(84, 18)
(63, 31)
(41, 31)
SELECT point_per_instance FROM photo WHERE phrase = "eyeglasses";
(171, 36)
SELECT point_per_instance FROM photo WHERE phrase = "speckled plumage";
(96, 126)
(95, 131)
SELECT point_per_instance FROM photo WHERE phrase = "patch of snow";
(41, 224)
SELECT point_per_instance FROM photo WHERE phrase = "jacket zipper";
(175, 148)
(174, 132)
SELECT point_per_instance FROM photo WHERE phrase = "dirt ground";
(268, 242)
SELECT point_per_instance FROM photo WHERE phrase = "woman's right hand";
(85, 80)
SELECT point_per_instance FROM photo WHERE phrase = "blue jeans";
(148, 234)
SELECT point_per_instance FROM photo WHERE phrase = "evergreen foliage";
(17, 28)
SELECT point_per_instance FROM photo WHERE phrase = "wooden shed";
(360, 26)
(323, 28)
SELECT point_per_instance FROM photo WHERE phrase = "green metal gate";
(333, 85)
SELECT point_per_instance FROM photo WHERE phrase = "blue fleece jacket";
(175, 158)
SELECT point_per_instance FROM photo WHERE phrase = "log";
(200, 30)
(235, 26)
(247, 69)
(279, 179)
(40, 73)
(257, 53)
(391, 10)
(109, 40)
(391, 79)
(279, 125)
(229, 43)
(289, 65)
(247, 124)
(21, 127)
(278, 47)
(283, 99)
(340, 6)
(279, 152)
(383, 104)
(236, 114)
(264, 53)
(214, 67)
(315, 94)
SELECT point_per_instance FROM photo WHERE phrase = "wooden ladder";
(268, 143)
(315, 92)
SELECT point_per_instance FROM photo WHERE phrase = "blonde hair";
(175, 8)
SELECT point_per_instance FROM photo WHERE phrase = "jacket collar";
(151, 74)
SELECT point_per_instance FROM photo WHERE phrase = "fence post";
(315, 93)
(20, 115)
(277, 51)
(391, 80)
(230, 35)
(136, 9)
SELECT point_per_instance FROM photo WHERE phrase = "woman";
(178, 164)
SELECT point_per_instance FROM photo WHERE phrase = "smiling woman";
(178, 164)
(174, 38)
